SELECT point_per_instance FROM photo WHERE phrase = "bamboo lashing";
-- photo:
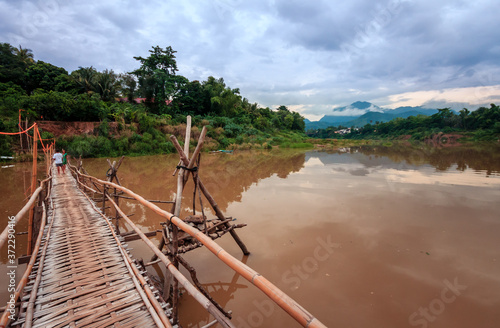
(209, 197)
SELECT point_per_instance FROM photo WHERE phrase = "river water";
(360, 237)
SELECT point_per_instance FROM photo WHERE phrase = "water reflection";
(222, 291)
(226, 176)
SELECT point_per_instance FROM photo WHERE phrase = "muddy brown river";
(360, 237)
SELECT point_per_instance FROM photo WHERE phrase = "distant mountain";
(360, 113)
(333, 118)
(406, 109)
(371, 118)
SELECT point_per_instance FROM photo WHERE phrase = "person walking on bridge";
(64, 160)
(58, 159)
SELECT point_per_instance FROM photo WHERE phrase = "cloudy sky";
(312, 56)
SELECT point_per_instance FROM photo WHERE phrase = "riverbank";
(443, 141)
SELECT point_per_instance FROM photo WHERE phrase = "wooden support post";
(117, 215)
(21, 134)
(178, 197)
(33, 187)
(175, 231)
(37, 215)
(111, 175)
(210, 199)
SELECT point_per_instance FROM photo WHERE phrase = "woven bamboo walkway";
(85, 281)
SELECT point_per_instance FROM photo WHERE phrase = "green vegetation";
(136, 111)
(482, 124)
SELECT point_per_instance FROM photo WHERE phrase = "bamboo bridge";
(80, 272)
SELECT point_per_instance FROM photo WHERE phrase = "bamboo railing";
(4, 320)
(39, 194)
(296, 311)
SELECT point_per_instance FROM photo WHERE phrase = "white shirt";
(58, 158)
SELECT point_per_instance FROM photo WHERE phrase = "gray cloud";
(311, 55)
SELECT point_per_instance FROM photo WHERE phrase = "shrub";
(102, 146)
(122, 144)
(232, 130)
(103, 128)
(80, 147)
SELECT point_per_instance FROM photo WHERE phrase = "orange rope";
(37, 131)
(20, 132)
(41, 140)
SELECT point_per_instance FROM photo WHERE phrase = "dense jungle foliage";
(145, 105)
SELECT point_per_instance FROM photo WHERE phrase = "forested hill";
(482, 124)
(360, 113)
(142, 102)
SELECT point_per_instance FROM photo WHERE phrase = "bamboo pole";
(279, 297)
(27, 136)
(117, 200)
(149, 200)
(33, 187)
(20, 134)
(20, 214)
(177, 210)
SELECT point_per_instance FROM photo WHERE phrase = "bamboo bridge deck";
(85, 279)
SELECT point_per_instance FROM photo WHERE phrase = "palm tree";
(464, 114)
(85, 77)
(25, 54)
(105, 85)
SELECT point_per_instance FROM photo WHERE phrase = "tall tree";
(84, 77)
(464, 114)
(43, 75)
(11, 66)
(157, 77)
(127, 86)
(24, 54)
(221, 100)
(106, 84)
(190, 98)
